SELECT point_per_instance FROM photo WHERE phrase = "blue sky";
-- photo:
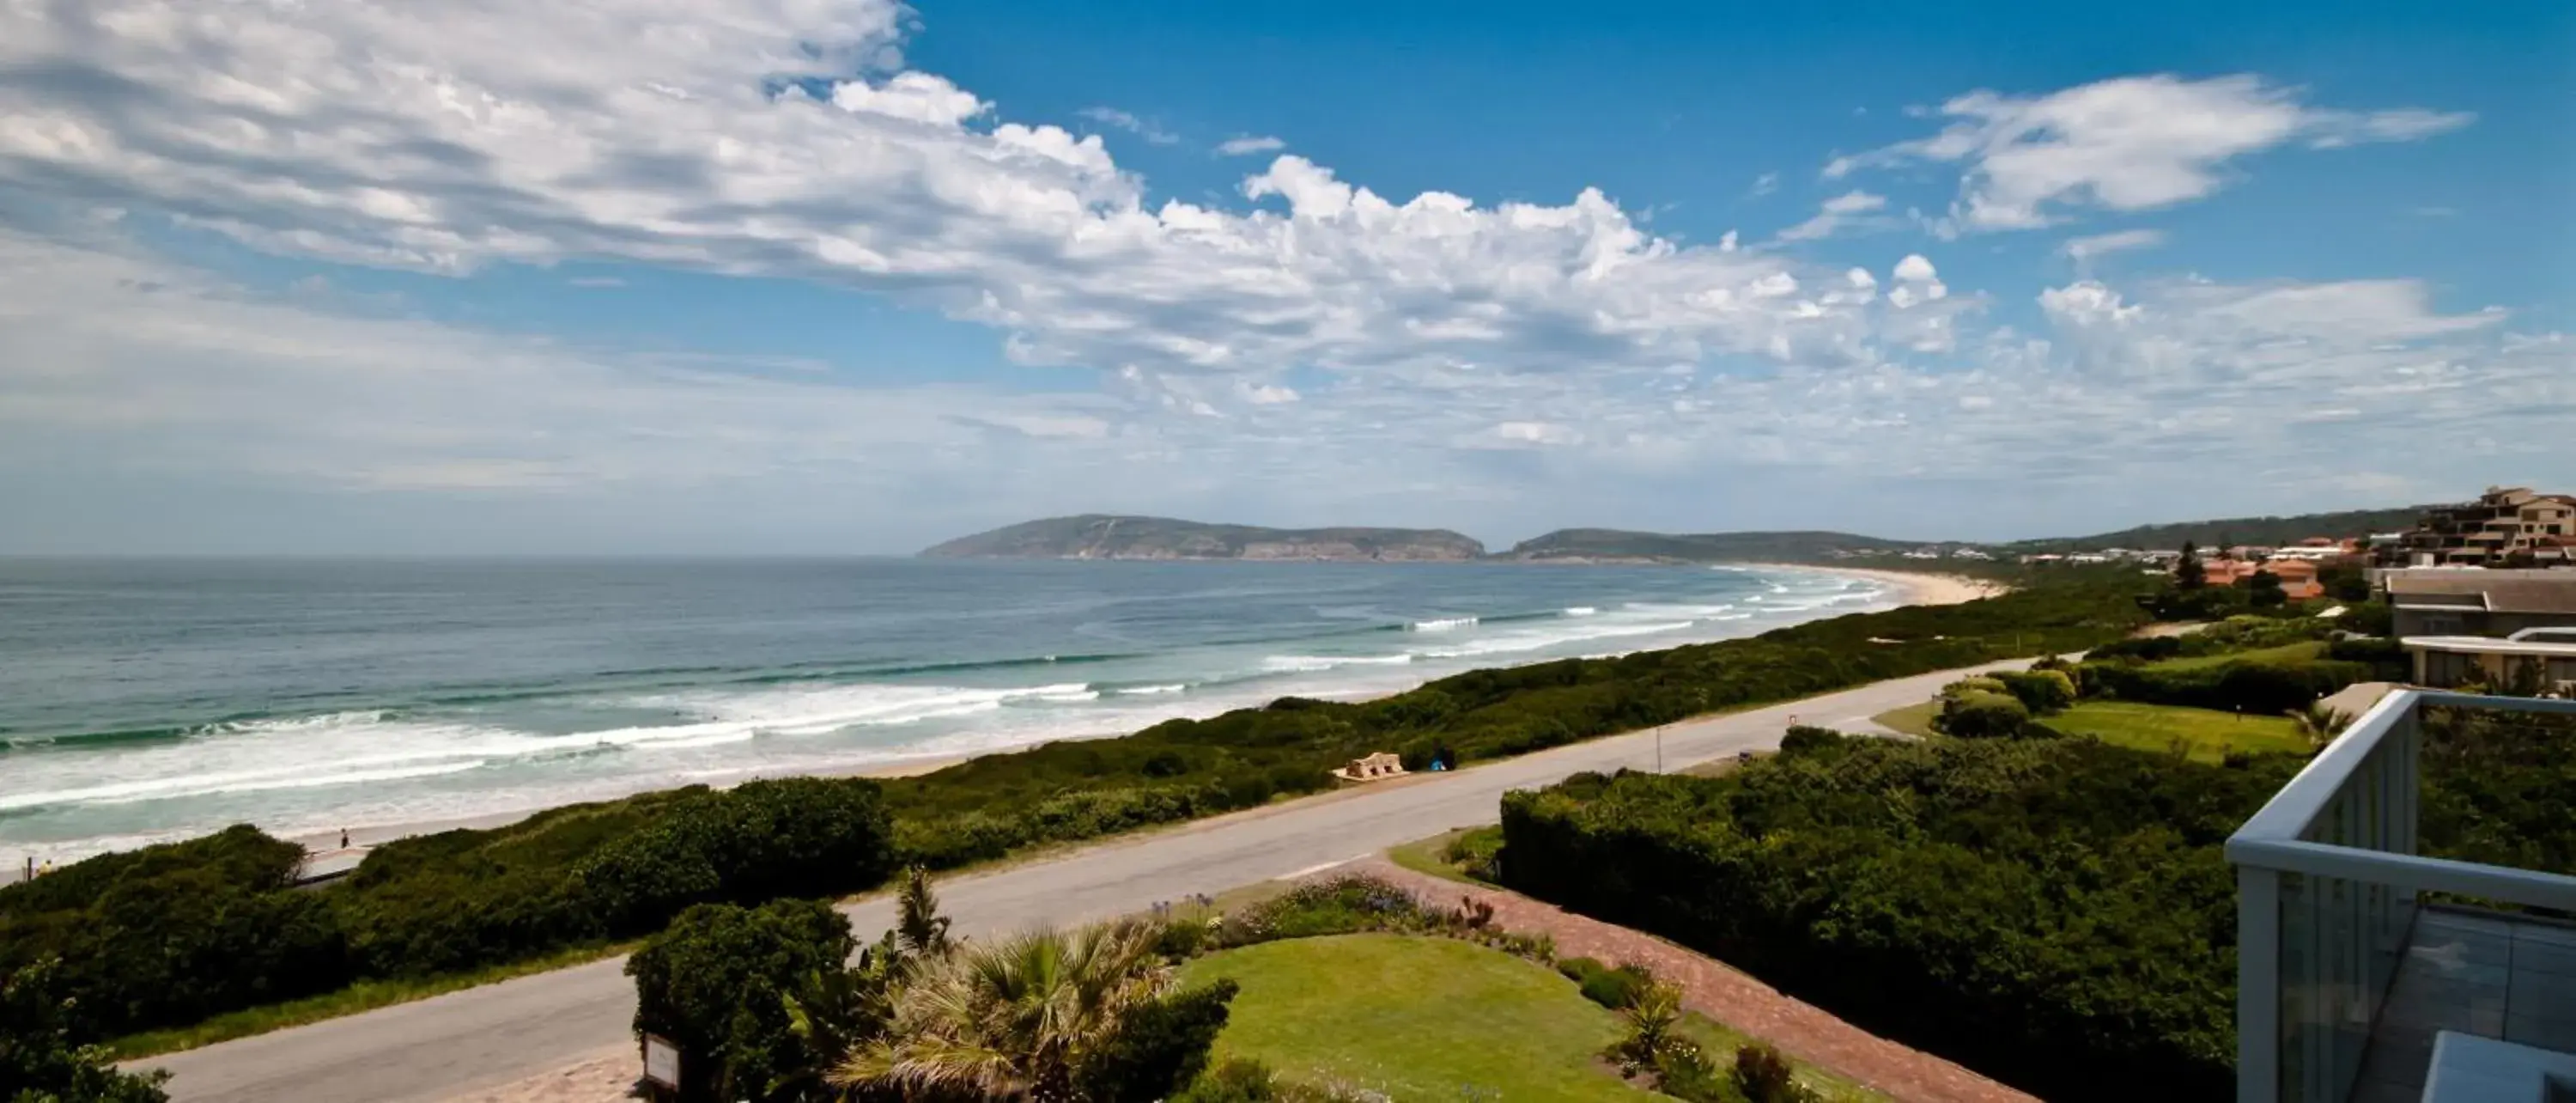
(489, 277)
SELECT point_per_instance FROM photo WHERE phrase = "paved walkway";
(1717, 990)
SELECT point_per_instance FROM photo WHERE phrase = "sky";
(844, 276)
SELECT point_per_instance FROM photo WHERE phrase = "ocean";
(143, 700)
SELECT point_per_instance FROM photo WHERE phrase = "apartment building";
(2506, 526)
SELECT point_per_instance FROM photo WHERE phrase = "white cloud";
(1250, 144)
(2127, 144)
(1764, 185)
(732, 138)
(2086, 248)
(1834, 214)
(1457, 341)
(1111, 116)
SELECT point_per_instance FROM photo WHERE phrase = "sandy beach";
(1919, 588)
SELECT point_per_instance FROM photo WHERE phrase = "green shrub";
(715, 984)
(1616, 989)
(1978, 714)
(1762, 1075)
(1477, 853)
(1160, 1048)
(40, 1060)
(2040, 691)
(759, 841)
(2053, 913)
(2266, 687)
(1240, 1080)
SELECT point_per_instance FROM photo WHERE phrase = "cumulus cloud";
(1836, 213)
(2126, 144)
(1474, 351)
(783, 138)
(1250, 144)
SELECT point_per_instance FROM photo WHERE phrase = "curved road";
(438, 1047)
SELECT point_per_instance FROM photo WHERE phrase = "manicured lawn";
(2208, 733)
(1912, 719)
(1416, 1018)
(2291, 652)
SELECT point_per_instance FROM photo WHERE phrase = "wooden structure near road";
(1376, 767)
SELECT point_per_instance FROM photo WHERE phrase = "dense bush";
(1981, 714)
(2054, 913)
(2500, 788)
(42, 1062)
(2253, 685)
(1159, 1048)
(715, 984)
(760, 841)
(2040, 691)
(1615, 989)
(174, 933)
(1762, 1075)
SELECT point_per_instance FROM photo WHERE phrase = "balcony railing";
(2329, 894)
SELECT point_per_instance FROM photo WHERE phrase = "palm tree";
(2320, 723)
(1012, 1019)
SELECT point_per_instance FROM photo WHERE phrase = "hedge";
(2053, 913)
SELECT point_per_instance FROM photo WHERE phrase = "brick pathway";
(1717, 990)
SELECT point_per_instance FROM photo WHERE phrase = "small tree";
(2188, 572)
(918, 923)
(717, 982)
(2319, 723)
(2263, 590)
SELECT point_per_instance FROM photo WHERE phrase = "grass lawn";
(1416, 1018)
(1432, 855)
(2294, 652)
(2208, 733)
(1912, 719)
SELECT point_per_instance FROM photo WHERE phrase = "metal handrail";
(2342, 837)
(2293, 812)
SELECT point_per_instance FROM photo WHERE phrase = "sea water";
(143, 700)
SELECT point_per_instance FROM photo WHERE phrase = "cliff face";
(1101, 536)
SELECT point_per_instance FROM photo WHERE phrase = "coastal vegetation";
(2054, 913)
(2040, 893)
(172, 935)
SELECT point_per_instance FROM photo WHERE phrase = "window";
(2443, 668)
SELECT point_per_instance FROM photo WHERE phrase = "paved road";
(438, 1047)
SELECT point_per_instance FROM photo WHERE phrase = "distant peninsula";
(1106, 536)
(1111, 536)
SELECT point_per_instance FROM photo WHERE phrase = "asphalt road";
(435, 1048)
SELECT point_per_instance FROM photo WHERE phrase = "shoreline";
(326, 858)
(1918, 587)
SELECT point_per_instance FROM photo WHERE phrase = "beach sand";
(1918, 588)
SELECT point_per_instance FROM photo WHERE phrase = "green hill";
(2267, 531)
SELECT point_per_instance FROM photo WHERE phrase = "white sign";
(662, 1062)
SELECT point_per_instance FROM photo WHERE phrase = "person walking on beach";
(344, 838)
